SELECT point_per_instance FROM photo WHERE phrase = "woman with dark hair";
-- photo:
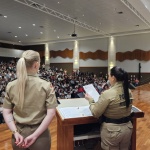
(114, 107)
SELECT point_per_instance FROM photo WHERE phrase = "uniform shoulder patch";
(44, 79)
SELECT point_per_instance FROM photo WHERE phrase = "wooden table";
(65, 126)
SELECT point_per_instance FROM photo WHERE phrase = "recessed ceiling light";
(58, 37)
(33, 24)
(58, 2)
(5, 16)
(26, 34)
(41, 32)
(19, 41)
(19, 27)
(83, 15)
(15, 36)
(120, 12)
(54, 30)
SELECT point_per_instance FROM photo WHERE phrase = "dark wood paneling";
(64, 54)
(35, 47)
(99, 54)
(11, 46)
(38, 48)
(131, 55)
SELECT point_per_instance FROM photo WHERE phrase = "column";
(111, 53)
(47, 56)
(76, 55)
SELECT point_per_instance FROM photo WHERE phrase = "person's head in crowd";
(106, 87)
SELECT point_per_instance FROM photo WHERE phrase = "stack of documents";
(91, 91)
(75, 112)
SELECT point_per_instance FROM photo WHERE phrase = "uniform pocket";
(130, 126)
(113, 131)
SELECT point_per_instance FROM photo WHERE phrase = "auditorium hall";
(78, 42)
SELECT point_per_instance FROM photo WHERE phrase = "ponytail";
(21, 79)
(122, 75)
(126, 89)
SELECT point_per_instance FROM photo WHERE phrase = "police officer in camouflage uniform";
(29, 105)
(114, 108)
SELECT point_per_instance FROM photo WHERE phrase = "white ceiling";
(100, 14)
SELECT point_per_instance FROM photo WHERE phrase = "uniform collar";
(34, 75)
(117, 84)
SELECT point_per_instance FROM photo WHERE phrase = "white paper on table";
(92, 91)
(75, 112)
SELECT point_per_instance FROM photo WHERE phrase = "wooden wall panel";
(131, 55)
(138, 54)
(64, 54)
(99, 54)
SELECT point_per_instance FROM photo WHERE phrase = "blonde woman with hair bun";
(29, 105)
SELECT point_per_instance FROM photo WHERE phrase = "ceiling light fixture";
(41, 32)
(26, 34)
(33, 24)
(15, 36)
(120, 12)
(54, 30)
(19, 41)
(5, 16)
(19, 27)
(58, 37)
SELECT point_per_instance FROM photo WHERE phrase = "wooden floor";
(141, 100)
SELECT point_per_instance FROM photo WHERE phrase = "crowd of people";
(66, 85)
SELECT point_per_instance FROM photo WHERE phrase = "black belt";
(116, 121)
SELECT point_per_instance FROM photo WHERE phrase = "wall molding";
(61, 53)
(99, 54)
(138, 54)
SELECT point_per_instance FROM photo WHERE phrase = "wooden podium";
(65, 126)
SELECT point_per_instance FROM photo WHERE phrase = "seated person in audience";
(106, 87)
(114, 107)
(1, 113)
(136, 82)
